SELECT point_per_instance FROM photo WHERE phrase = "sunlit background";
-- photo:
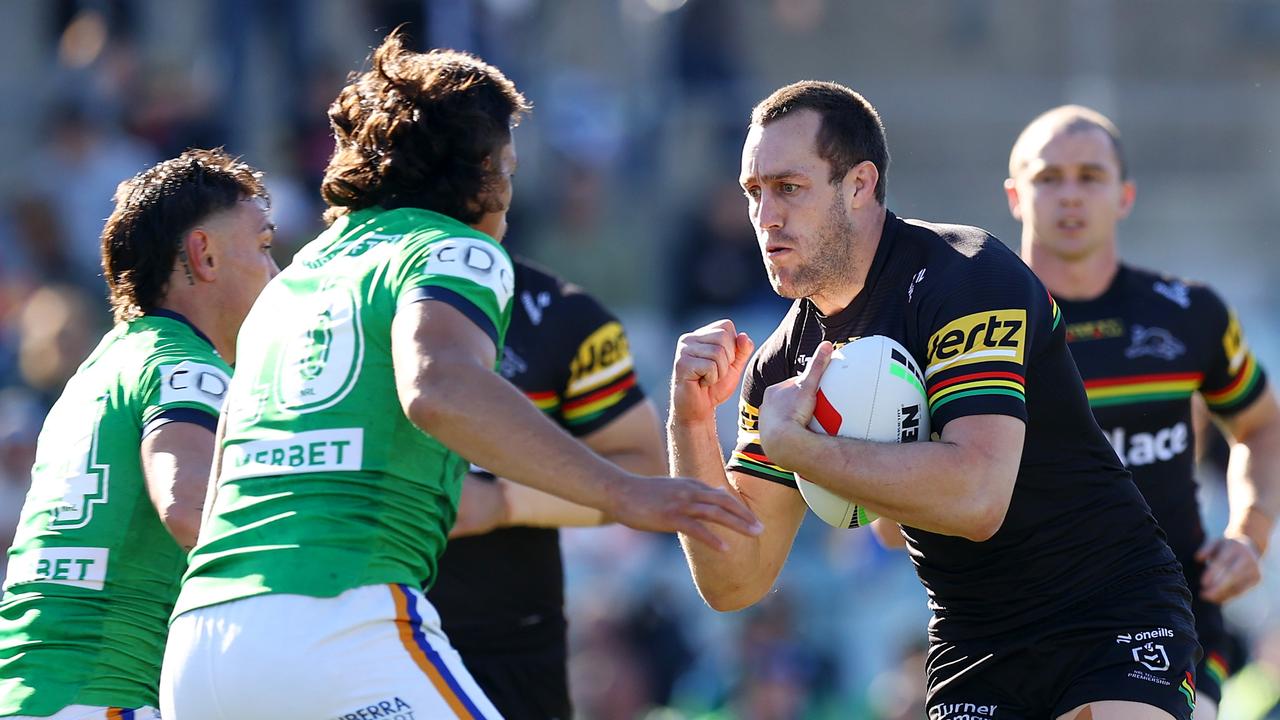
(627, 185)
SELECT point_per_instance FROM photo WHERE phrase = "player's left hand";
(788, 406)
(1231, 566)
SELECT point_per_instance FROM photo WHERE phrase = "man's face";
(241, 240)
(1069, 194)
(801, 219)
(498, 200)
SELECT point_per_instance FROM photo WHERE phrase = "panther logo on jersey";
(1154, 342)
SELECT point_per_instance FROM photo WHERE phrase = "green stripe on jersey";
(971, 393)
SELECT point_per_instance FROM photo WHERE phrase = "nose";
(769, 214)
(1070, 195)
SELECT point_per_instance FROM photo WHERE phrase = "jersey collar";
(161, 312)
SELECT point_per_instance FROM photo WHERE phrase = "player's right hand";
(708, 368)
(681, 505)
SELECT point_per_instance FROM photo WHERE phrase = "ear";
(1128, 193)
(199, 252)
(863, 178)
(1011, 194)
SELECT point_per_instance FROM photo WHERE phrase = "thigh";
(375, 651)
(1116, 710)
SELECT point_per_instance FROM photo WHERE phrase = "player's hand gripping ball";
(872, 390)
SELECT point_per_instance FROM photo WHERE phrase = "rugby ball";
(872, 390)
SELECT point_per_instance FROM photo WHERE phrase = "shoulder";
(1173, 291)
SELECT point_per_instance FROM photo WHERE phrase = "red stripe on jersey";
(978, 376)
(1134, 379)
(625, 384)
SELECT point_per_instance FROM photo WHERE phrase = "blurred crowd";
(637, 204)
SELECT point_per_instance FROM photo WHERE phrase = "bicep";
(991, 444)
(1260, 415)
(176, 458)
(427, 331)
(635, 434)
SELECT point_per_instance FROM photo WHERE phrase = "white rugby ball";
(872, 390)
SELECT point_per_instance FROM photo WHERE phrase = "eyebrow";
(773, 177)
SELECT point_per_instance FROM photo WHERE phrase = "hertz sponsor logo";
(604, 356)
(992, 336)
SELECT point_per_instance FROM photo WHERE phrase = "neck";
(867, 237)
(1083, 278)
(208, 318)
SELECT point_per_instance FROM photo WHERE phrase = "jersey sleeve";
(748, 456)
(979, 330)
(600, 379)
(183, 387)
(471, 274)
(1233, 378)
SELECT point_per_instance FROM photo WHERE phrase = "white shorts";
(89, 712)
(372, 652)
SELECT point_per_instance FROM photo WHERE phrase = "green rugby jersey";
(93, 573)
(325, 484)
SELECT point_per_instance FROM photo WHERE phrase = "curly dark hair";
(415, 130)
(154, 211)
(851, 131)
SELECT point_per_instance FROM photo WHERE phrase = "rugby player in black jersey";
(500, 584)
(1054, 594)
(1145, 343)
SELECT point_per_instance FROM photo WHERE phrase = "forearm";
(1253, 486)
(726, 580)
(935, 486)
(477, 414)
(534, 508)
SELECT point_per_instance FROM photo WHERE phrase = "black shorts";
(524, 686)
(1136, 641)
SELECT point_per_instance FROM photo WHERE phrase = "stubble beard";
(831, 263)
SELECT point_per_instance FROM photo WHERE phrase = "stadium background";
(627, 185)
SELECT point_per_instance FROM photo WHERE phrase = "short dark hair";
(154, 211)
(850, 131)
(414, 131)
(1067, 118)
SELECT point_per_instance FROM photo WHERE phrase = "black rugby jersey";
(1143, 347)
(504, 590)
(990, 341)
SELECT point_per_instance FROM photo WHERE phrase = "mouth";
(1071, 224)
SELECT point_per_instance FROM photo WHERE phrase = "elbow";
(732, 598)
(428, 401)
(984, 521)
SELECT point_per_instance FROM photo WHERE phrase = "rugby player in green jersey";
(366, 375)
(1145, 344)
(123, 459)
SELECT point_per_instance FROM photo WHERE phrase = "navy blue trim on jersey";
(195, 416)
(458, 302)
(161, 312)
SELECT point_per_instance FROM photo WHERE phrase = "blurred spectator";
(75, 177)
(21, 415)
(57, 330)
(717, 271)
